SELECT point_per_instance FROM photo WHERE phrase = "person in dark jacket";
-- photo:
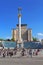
(30, 52)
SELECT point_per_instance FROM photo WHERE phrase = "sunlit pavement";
(21, 61)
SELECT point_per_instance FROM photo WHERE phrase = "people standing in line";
(23, 50)
(14, 51)
(8, 51)
(0, 52)
(30, 52)
(3, 52)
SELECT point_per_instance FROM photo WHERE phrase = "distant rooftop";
(22, 24)
(29, 28)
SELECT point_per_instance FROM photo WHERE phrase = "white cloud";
(8, 37)
(40, 34)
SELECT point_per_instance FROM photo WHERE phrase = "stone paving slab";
(21, 61)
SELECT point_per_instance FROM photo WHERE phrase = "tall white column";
(20, 27)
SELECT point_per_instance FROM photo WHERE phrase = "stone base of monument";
(20, 44)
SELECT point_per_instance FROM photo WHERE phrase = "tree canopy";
(35, 39)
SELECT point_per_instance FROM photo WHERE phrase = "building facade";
(26, 34)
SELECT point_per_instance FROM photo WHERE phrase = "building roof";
(29, 28)
(13, 28)
(22, 24)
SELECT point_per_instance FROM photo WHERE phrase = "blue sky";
(32, 15)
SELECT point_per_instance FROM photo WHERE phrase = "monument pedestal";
(20, 43)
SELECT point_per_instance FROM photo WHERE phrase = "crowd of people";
(11, 52)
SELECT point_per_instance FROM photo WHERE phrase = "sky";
(32, 15)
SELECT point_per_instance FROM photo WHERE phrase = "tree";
(42, 41)
(35, 39)
(1, 39)
(12, 39)
(8, 40)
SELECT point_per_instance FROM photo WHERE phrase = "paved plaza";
(18, 59)
(21, 61)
